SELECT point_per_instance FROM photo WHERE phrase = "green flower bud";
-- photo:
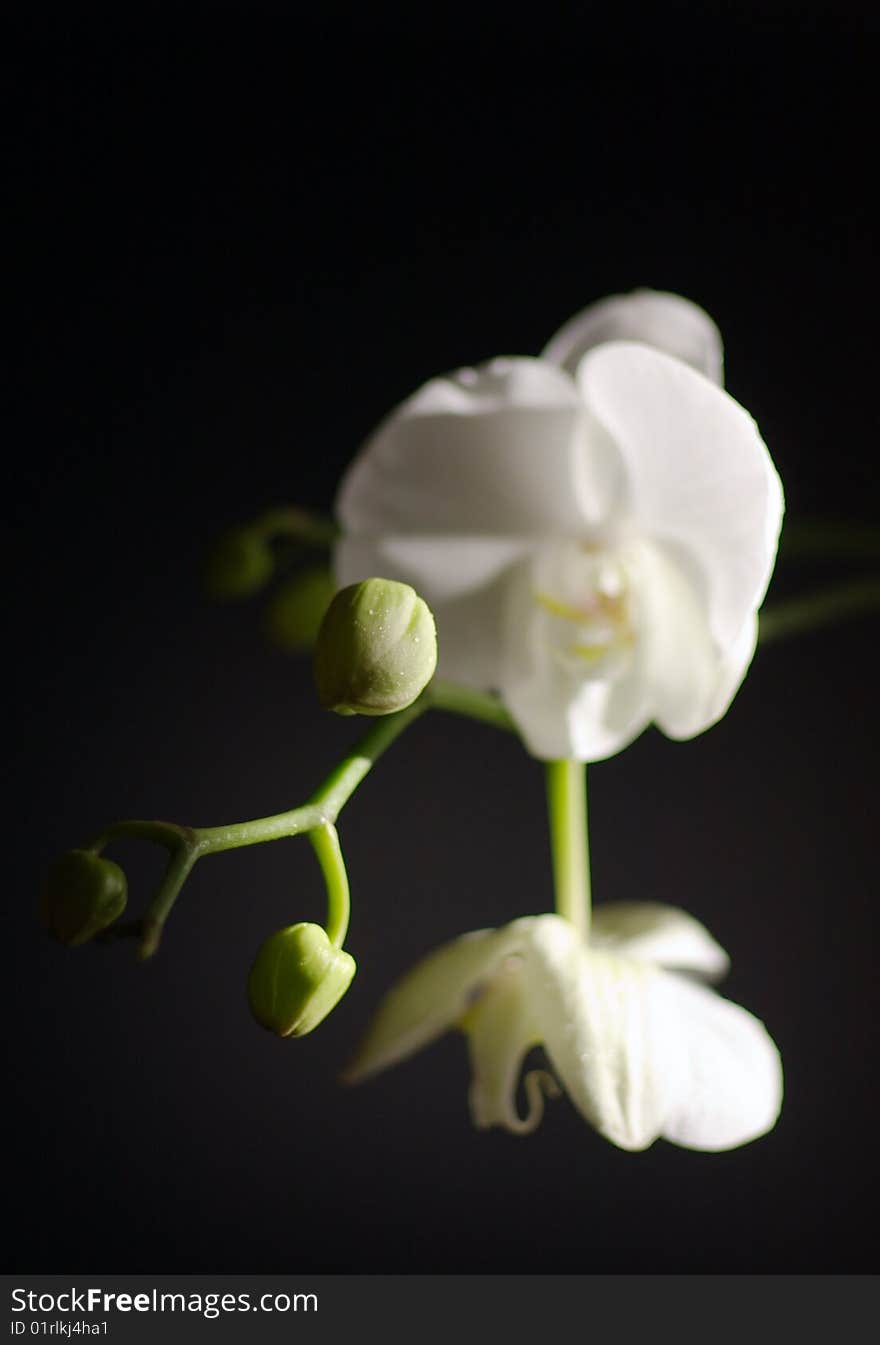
(296, 610)
(239, 565)
(84, 894)
(297, 978)
(377, 649)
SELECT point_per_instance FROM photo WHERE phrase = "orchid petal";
(443, 569)
(725, 1086)
(644, 1053)
(432, 997)
(500, 1031)
(589, 721)
(700, 477)
(664, 935)
(690, 682)
(498, 450)
(606, 1045)
(666, 321)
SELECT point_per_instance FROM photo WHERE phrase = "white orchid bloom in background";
(594, 530)
(643, 1052)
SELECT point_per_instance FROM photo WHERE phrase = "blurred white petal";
(494, 451)
(666, 321)
(725, 1080)
(700, 477)
(690, 679)
(430, 998)
(652, 932)
(643, 1053)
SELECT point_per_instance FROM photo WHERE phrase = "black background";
(239, 236)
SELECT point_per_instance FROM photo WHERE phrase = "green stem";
(569, 843)
(341, 783)
(818, 609)
(327, 801)
(325, 842)
(179, 868)
(234, 835)
(169, 834)
(189, 844)
(317, 816)
(480, 705)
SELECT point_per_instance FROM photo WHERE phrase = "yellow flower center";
(589, 611)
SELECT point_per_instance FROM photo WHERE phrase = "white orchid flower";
(594, 530)
(643, 1051)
